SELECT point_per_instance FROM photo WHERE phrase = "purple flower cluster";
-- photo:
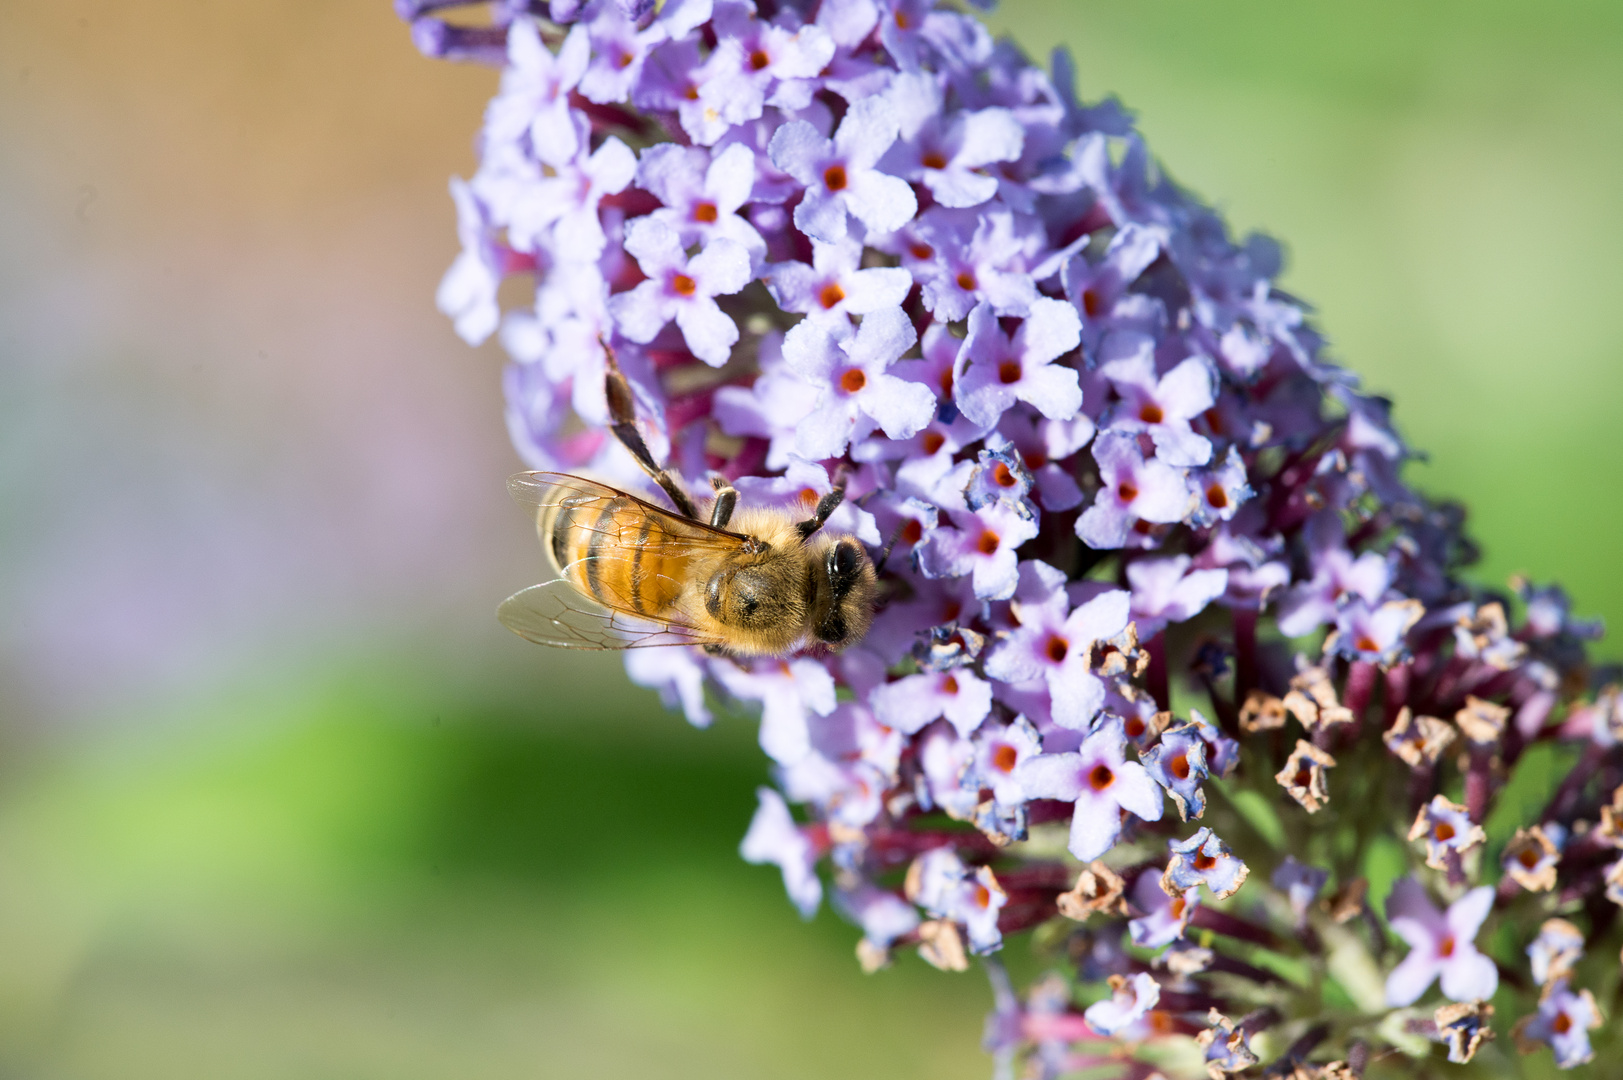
(1114, 486)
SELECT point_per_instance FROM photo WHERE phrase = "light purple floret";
(1102, 783)
(1441, 943)
(774, 838)
(840, 174)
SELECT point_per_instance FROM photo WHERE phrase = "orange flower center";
(853, 381)
(705, 212)
(834, 178)
(1101, 777)
(683, 285)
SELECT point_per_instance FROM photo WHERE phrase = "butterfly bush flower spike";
(1137, 539)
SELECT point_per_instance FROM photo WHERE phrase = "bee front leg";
(623, 422)
(825, 506)
(726, 499)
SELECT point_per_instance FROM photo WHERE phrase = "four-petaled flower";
(1057, 646)
(1134, 493)
(840, 174)
(683, 289)
(1102, 783)
(996, 369)
(1441, 943)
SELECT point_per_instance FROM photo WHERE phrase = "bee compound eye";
(843, 559)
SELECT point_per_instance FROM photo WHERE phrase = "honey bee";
(630, 574)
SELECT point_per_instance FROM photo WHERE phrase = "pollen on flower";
(934, 160)
(1005, 757)
(1217, 497)
(759, 60)
(683, 285)
(830, 295)
(966, 281)
(834, 178)
(705, 213)
(1151, 413)
(1101, 777)
(853, 381)
(988, 543)
(1126, 491)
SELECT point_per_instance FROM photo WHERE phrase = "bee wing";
(556, 613)
(538, 491)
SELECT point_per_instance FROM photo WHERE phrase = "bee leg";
(726, 499)
(623, 422)
(825, 506)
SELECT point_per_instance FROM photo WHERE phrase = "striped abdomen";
(618, 553)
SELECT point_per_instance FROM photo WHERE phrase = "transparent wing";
(540, 491)
(556, 613)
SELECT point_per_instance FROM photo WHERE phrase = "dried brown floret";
(1418, 739)
(1530, 859)
(1482, 721)
(941, 946)
(1485, 636)
(1303, 775)
(1464, 1026)
(1347, 902)
(1225, 1046)
(1098, 889)
(1312, 700)
(1610, 829)
(1262, 712)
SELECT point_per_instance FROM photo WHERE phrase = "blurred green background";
(279, 798)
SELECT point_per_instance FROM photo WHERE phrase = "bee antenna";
(879, 567)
